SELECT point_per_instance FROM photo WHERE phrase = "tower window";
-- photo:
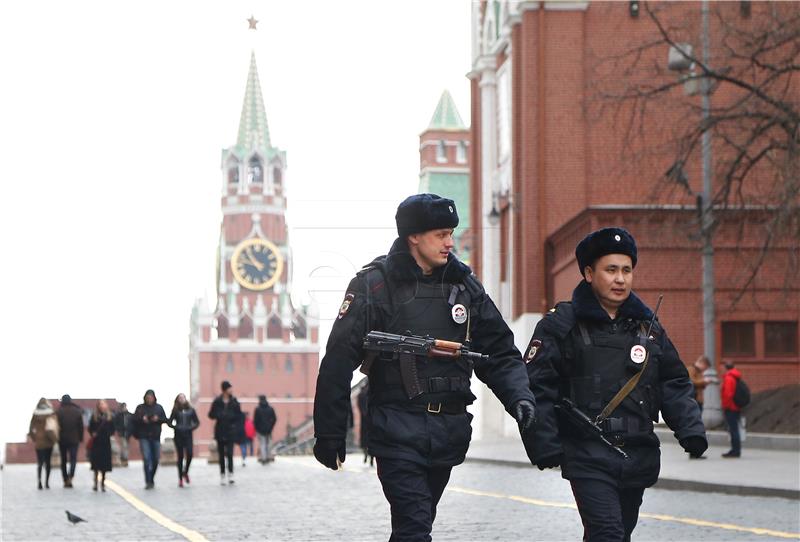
(461, 153)
(221, 325)
(277, 180)
(274, 328)
(259, 365)
(255, 173)
(233, 174)
(441, 152)
(229, 364)
(246, 327)
(289, 365)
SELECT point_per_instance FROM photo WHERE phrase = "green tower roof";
(446, 116)
(253, 128)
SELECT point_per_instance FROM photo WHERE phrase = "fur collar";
(43, 411)
(587, 306)
(401, 266)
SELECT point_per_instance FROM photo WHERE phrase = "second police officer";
(419, 288)
(586, 351)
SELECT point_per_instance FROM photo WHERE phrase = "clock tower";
(254, 337)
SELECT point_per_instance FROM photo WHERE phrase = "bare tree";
(754, 118)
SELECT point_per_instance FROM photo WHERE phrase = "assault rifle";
(574, 415)
(407, 348)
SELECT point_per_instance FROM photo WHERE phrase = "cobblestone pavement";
(296, 500)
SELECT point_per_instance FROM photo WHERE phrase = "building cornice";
(249, 208)
(258, 348)
(433, 169)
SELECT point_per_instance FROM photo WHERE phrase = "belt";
(451, 407)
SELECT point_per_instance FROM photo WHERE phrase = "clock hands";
(252, 260)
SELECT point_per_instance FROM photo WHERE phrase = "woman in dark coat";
(101, 427)
(183, 420)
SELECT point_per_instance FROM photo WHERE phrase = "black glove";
(525, 414)
(549, 461)
(695, 445)
(327, 450)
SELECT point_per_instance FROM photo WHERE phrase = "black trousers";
(69, 456)
(43, 457)
(608, 513)
(413, 491)
(184, 448)
(225, 453)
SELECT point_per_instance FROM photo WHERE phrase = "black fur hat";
(605, 241)
(423, 212)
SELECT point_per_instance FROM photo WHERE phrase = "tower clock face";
(256, 264)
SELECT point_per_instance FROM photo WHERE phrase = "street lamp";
(678, 61)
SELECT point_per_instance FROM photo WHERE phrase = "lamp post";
(712, 413)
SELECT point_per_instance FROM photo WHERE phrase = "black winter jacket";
(183, 420)
(395, 431)
(70, 423)
(663, 387)
(150, 430)
(264, 418)
(229, 419)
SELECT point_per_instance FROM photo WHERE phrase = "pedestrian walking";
(123, 429)
(183, 420)
(363, 410)
(419, 428)
(147, 420)
(248, 432)
(70, 435)
(731, 410)
(101, 428)
(226, 411)
(43, 431)
(602, 361)
(264, 421)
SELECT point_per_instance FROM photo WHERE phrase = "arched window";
(255, 173)
(289, 365)
(277, 180)
(246, 327)
(259, 365)
(299, 328)
(233, 173)
(221, 325)
(274, 328)
(461, 153)
(229, 364)
(441, 152)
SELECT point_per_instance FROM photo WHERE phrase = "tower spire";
(446, 116)
(253, 127)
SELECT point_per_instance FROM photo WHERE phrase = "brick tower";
(254, 337)
(444, 165)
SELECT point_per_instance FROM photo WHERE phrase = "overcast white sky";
(112, 119)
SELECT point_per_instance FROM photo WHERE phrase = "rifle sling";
(625, 390)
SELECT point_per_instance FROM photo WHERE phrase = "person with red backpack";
(732, 410)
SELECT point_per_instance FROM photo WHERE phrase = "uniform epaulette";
(560, 319)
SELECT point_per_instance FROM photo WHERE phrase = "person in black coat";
(70, 423)
(264, 419)
(421, 288)
(183, 420)
(101, 427)
(228, 414)
(585, 351)
(147, 421)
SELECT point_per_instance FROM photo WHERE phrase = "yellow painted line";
(155, 515)
(659, 517)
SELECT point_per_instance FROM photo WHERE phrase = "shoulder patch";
(536, 344)
(348, 300)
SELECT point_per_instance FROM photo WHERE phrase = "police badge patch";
(348, 300)
(535, 345)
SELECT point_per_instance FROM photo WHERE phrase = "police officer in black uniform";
(586, 351)
(419, 288)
